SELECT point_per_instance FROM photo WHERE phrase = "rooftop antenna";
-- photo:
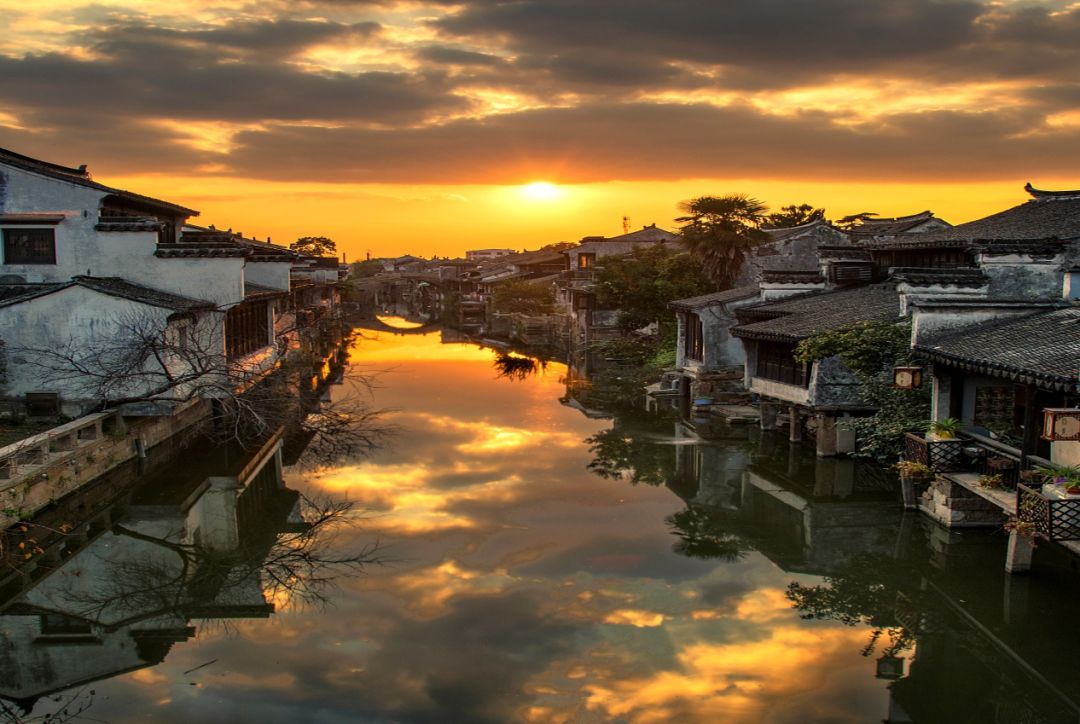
(626, 224)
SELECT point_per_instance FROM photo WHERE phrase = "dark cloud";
(151, 72)
(266, 39)
(753, 44)
(830, 36)
(653, 141)
(456, 56)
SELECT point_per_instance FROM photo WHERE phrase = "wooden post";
(794, 425)
(768, 415)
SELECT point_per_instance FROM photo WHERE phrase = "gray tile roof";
(117, 287)
(788, 232)
(1042, 218)
(112, 286)
(258, 290)
(705, 300)
(805, 315)
(893, 225)
(1040, 349)
(18, 293)
(647, 234)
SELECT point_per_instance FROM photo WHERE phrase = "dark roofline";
(81, 177)
(997, 369)
(1042, 195)
(708, 300)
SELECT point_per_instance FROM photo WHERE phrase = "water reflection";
(139, 557)
(547, 565)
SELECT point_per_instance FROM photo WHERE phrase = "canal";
(521, 561)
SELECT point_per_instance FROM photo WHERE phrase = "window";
(29, 246)
(694, 346)
(776, 362)
(247, 328)
(586, 261)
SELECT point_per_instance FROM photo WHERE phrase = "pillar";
(1015, 605)
(907, 488)
(768, 412)
(794, 425)
(826, 435)
(941, 397)
(219, 530)
(1018, 558)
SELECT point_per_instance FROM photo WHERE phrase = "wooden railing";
(970, 452)
(1053, 518)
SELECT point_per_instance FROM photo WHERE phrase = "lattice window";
(29, 246)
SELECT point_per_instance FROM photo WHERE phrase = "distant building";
(487, 254)
(584, 256)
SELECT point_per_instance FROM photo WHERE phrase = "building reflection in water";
(125, 566)
(958, 640)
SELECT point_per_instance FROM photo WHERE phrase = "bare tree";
(169, 362)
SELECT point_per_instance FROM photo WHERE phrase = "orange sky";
(412, 126)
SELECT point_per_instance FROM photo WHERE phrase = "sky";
(425, 126)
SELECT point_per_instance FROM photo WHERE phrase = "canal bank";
(541, 565)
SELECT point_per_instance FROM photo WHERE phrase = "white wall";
(81, 249)
(271, 274)
(80, 317)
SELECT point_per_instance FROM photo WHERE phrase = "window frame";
(8, 231)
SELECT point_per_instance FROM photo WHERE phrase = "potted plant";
(1023, 528)
(944, 429)
(1064, 476)
(914, 470)
(991, 480)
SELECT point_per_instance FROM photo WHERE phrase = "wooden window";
(247, 329)
(776, 362)
(29, 246)
(586, 261)
(694, 346)
(57, 624)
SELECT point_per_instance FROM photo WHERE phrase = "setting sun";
(541, 191)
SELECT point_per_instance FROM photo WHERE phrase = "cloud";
(668, 141)
(235, 72)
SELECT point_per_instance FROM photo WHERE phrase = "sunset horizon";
(411, 127)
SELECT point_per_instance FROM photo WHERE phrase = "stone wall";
(955, 506)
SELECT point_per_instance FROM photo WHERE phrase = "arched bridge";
(378, 325)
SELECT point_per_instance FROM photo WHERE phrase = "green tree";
(522, 297)
(642, 283)
(721, 231)
(850, 222)
(793, 215)
(314, 246)
(869, 349)
(366, 268)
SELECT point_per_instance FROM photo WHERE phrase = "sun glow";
(541, 191)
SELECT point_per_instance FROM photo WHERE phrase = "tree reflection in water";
(517, 367)
(864, 593)
(701, 536)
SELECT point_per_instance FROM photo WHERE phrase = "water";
(524, 572)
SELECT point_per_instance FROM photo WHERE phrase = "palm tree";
(721, 231)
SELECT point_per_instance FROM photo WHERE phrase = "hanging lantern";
(907, 378)
(890, 667)
(1061, 424)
